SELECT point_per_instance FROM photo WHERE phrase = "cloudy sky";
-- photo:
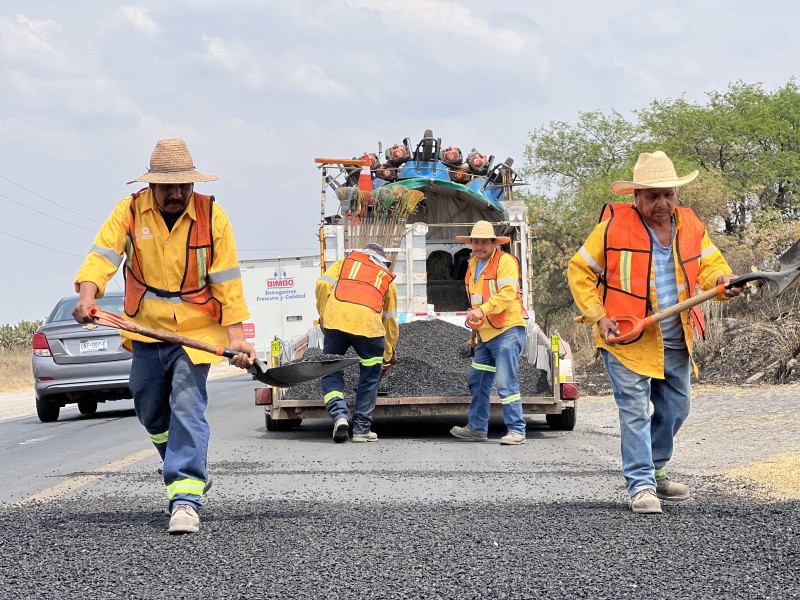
(258, 88)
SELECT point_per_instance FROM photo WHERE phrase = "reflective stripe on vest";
(363, 282)
(491, 286)
(628, 256)
(195, 286)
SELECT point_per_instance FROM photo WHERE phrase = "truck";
(414, 203)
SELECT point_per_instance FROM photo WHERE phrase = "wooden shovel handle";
(689, 303)
(631, 327)
(103, 317)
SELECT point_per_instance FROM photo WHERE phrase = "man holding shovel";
(182, 277)
(641, 258)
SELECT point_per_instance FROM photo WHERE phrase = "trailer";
(414, 205)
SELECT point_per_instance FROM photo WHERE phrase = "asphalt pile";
(432, 360)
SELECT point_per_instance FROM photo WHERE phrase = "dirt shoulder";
(747, 434)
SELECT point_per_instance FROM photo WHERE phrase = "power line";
(40, 245)
(47, 199)
(44, 213)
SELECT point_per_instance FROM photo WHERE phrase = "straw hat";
(376, 251)
(483, 230)
(171, 162)
(652, 171)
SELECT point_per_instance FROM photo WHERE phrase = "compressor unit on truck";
(414, 204)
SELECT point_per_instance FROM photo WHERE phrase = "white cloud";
(21, 37)
(444, 18)
(259, 70)
(139, 19)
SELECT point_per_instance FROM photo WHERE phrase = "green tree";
(744, 140)
(574, 166)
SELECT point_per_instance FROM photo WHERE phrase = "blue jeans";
(647, 440)
(497, 362)
(169, 394)
(370, 353)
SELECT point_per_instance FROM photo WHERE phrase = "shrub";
(18, 337)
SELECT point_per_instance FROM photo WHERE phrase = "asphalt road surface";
(417, 515)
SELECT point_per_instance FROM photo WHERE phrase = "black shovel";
(284, 376)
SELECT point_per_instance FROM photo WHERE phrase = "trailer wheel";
(564, 421)
(87, 407)
(280, 424)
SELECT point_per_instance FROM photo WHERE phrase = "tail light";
(40, 345)
(263, 396)
(569, 391)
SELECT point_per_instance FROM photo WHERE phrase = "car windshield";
(63, 312)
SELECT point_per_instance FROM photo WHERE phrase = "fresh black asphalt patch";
(715, 546)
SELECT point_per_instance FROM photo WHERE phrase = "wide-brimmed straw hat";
(652, 171)
(483, 230)
(376, 251)
(171, 162)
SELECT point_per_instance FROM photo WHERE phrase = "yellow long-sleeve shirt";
(163, 256)
(355, 318)
(645, 356)
(504, 299)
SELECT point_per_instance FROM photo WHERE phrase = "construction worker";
(493, 285)
(643, 257)
(181, 276)
(357, 305)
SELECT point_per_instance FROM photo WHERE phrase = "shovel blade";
(786, 278)
(299, 372)
(790, 260)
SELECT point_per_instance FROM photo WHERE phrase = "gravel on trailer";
(432, 360)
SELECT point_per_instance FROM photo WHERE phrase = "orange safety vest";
(490, 288)
(195, 287)
(363, 282)
(628, 255)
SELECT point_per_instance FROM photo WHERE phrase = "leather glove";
(388, 365)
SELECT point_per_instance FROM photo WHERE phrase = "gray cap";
(376, 251)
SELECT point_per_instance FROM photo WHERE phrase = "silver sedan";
(78, 363)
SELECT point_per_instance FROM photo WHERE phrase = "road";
(417, 515)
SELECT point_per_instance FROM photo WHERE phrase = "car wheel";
(87, 407)
(47, 411)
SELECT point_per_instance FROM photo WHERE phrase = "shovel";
(283, 376)
(785, 277)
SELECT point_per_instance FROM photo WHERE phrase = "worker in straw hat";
(181, 276)
(493, 286)
(642, 258)
(357, 305)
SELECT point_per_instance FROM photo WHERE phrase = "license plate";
(94, 345)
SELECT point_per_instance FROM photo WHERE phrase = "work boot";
(646, 502)
(465, 433)
(671, 491)
(341, 430)
(513, 438)
(369, 436)
(184, 519)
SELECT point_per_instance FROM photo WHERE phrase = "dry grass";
(15, 370)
